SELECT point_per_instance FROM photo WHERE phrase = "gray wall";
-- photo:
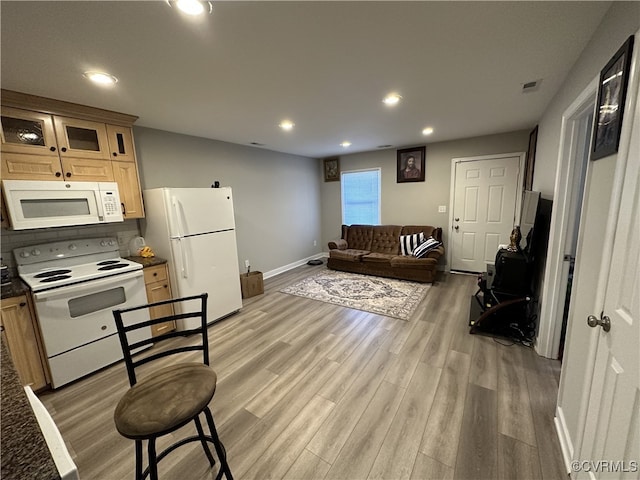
(414, 203)
(622, 20)
(276, 195)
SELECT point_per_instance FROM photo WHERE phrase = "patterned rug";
(384, 296)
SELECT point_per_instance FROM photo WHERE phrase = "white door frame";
(554, 287)
(452, 192)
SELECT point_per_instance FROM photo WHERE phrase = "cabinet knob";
(68, 174)
(23, 304)
(155, 274)
(115, 154)
(58, 174)
(124, 210)
(64, 149)
(166, 286)
(53, 149)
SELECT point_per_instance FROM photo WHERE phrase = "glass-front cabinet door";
(28, 132)
(81, 138)
(121, 143)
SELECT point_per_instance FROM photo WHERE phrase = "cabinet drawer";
(155, 274)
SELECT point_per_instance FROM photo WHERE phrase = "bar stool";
(171, 395)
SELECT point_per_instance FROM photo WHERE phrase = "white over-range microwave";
(44, 204)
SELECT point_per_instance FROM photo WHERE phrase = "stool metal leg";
(220, 450)
(139, 460)
(153, 463)
(203, 440)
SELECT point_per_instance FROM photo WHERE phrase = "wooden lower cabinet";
(156, 281)
(21, 337)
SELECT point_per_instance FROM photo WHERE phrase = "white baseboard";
(563, 437)
(291, 266)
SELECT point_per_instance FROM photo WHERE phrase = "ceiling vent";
(256, 144)
(532, 86)
(384, 146)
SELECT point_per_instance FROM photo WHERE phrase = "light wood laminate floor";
(309, 390)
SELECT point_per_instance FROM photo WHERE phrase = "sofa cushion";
(409, 242)
(349, 255)
(404, 261)
(423, 249)
(375, 257)
(386, 239)
(359, 237)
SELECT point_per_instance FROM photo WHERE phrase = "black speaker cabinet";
(512, 274)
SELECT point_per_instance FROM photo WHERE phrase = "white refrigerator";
(194, 229)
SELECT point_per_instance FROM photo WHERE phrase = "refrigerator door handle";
(183, 259)
(179, 212)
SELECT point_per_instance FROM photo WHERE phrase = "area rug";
(384, 296)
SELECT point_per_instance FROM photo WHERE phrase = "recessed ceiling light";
(427, 131)
(286, 125)
(192, 7)
(392, 99)
(345, 144)
(101, 78)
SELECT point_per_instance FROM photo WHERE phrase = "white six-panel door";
(486, 197)
(611, 441)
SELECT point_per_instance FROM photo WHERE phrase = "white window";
(361, 197)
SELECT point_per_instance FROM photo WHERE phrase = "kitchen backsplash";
(124, 232)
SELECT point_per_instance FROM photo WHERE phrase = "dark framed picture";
(331, 169)
(611, 97)
(531, 160)
(411, 164)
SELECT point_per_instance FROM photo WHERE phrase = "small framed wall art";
(531, 159)
(331, 169)
(611, 97)
(411, 164)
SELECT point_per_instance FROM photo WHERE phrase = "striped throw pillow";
(424, 248)
(409, 242)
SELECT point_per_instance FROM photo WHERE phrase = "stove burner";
(58, 277)
(111, 267)
(108, 262)
(52, 273)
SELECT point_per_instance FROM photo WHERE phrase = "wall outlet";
(315, 243)
(246, 264)
(442, 209)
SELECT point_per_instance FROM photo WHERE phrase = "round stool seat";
(164, 401)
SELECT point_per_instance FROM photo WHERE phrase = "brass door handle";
(603, 321)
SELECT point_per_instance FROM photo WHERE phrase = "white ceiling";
(234, 75)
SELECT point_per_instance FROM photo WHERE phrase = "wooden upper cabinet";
(81, 138)
(27, 132)
(121, 143)
(126, 176)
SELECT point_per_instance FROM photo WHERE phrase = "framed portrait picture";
(411, 164)
(611, 97)
(331, 169)
(531, 160)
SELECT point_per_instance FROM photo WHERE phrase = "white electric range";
(76, 285)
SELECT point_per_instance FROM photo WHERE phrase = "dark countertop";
(15, 289)
(147, 262)
(25, 454)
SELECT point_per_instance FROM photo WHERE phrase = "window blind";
(361, 197)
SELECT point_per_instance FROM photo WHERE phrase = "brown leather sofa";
(375, 250)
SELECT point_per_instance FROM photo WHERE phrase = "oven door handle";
(78, 289)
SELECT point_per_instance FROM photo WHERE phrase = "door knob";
(603, 321)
